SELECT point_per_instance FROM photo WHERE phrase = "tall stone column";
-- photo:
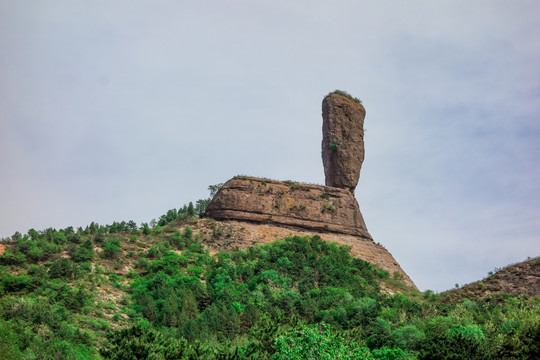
(343, 140)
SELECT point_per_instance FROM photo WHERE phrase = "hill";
(517, 279)
(125, 291)
(263, 269)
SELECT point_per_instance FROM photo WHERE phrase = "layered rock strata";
(343, 140)
(304, 206)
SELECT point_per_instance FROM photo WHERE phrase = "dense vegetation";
(154, 292)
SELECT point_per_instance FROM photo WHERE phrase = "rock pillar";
(343, 140)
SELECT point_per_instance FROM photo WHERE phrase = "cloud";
(118, 111)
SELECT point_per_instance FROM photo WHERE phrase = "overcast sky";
(121, 110)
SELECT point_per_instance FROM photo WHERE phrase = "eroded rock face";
(343, 140)
(305, 206)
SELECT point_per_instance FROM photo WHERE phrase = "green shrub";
(59, 238)
(111, 248)
(12, 258)
(16, 283)
(391, 354)
(82, 253)
(146, 229)
(318, 343)
(408, 337)
(99, 238)
(63, 269)
(142, 342)
(188, 232)
(325, 195)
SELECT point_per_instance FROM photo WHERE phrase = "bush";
(408, 337)
(146, 229)
(141, 342)
(111, 248)
(62, 269)
(318, 343)
(85, 252)
(99, 238)
(14, 283)
(59, 238)
(11, 258)
(344, 93)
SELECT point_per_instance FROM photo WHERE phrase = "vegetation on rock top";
(346, 94)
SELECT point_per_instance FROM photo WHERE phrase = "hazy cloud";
(122, 110)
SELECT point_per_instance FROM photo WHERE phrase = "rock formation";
(314, 207)
(270, 208)
(343, 140)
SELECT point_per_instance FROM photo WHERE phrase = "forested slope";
(153, 291)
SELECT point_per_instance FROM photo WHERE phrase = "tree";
(214, 189)
(318, 343)
(141, 342)
(190, 210)
(111, 248)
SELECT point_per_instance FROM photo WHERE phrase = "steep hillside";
(518, 279)
(231, 234)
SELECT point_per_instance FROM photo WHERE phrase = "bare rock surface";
(343, 140)
(304, 206)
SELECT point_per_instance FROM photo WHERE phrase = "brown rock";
(254, 210)
(343, 140)
(305, 206)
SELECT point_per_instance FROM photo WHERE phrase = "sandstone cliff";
(305, 206)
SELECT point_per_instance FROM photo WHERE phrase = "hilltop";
(513, 280)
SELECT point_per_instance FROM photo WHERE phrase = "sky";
(122, 110)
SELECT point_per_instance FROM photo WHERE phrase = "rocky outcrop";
(303, 206)
(343, 140)
(270, 209)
